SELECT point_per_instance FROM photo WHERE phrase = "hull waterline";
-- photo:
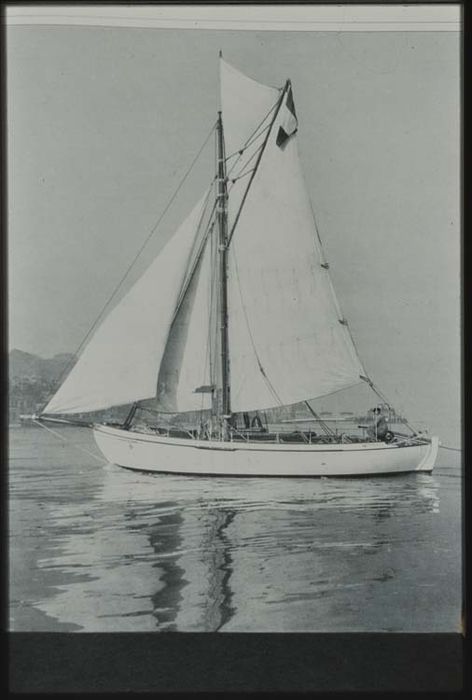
(156, 453)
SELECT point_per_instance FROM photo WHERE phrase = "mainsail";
(287, 339)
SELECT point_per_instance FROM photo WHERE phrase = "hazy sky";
(103, 123)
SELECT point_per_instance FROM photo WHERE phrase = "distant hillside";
(24, 365)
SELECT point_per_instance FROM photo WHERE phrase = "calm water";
(97, 548)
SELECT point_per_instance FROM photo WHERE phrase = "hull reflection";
(126, 551)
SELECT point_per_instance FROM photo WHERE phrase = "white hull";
(156, 453)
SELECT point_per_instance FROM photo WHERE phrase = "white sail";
(248, 108)
(185, 365)
(286, 337)
(245, 105)
(120, 364)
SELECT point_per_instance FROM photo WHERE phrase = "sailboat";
(236, 315)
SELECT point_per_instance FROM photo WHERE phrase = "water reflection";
(129, 551)
(224, 547)
(194, 561)
(166, 540)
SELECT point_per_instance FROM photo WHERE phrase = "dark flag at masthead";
(289, 123)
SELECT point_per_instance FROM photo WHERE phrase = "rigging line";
(195, 270)
(448, 447)
(212, 349)
(261, 151)
(146, 241)
(207, 371)
(333, 293)
(213, 344)
(254, 139)
(261, 368)
(148, 410)
(61, 437)
(254, 135)
(222, 219)
(369, 381)
(190, 273)
(251, 138)
(335, 391)
(316, 229)
(244, 151)
(206, 361)
(325, 427)
(248, 172)
(382, 396)
(346, 325)
(377, 391)
(207, 364)
(245, 148)
(246, 163)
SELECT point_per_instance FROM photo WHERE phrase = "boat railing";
(235, 431)
(282, 437)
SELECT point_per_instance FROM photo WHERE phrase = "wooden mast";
(222, 218)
